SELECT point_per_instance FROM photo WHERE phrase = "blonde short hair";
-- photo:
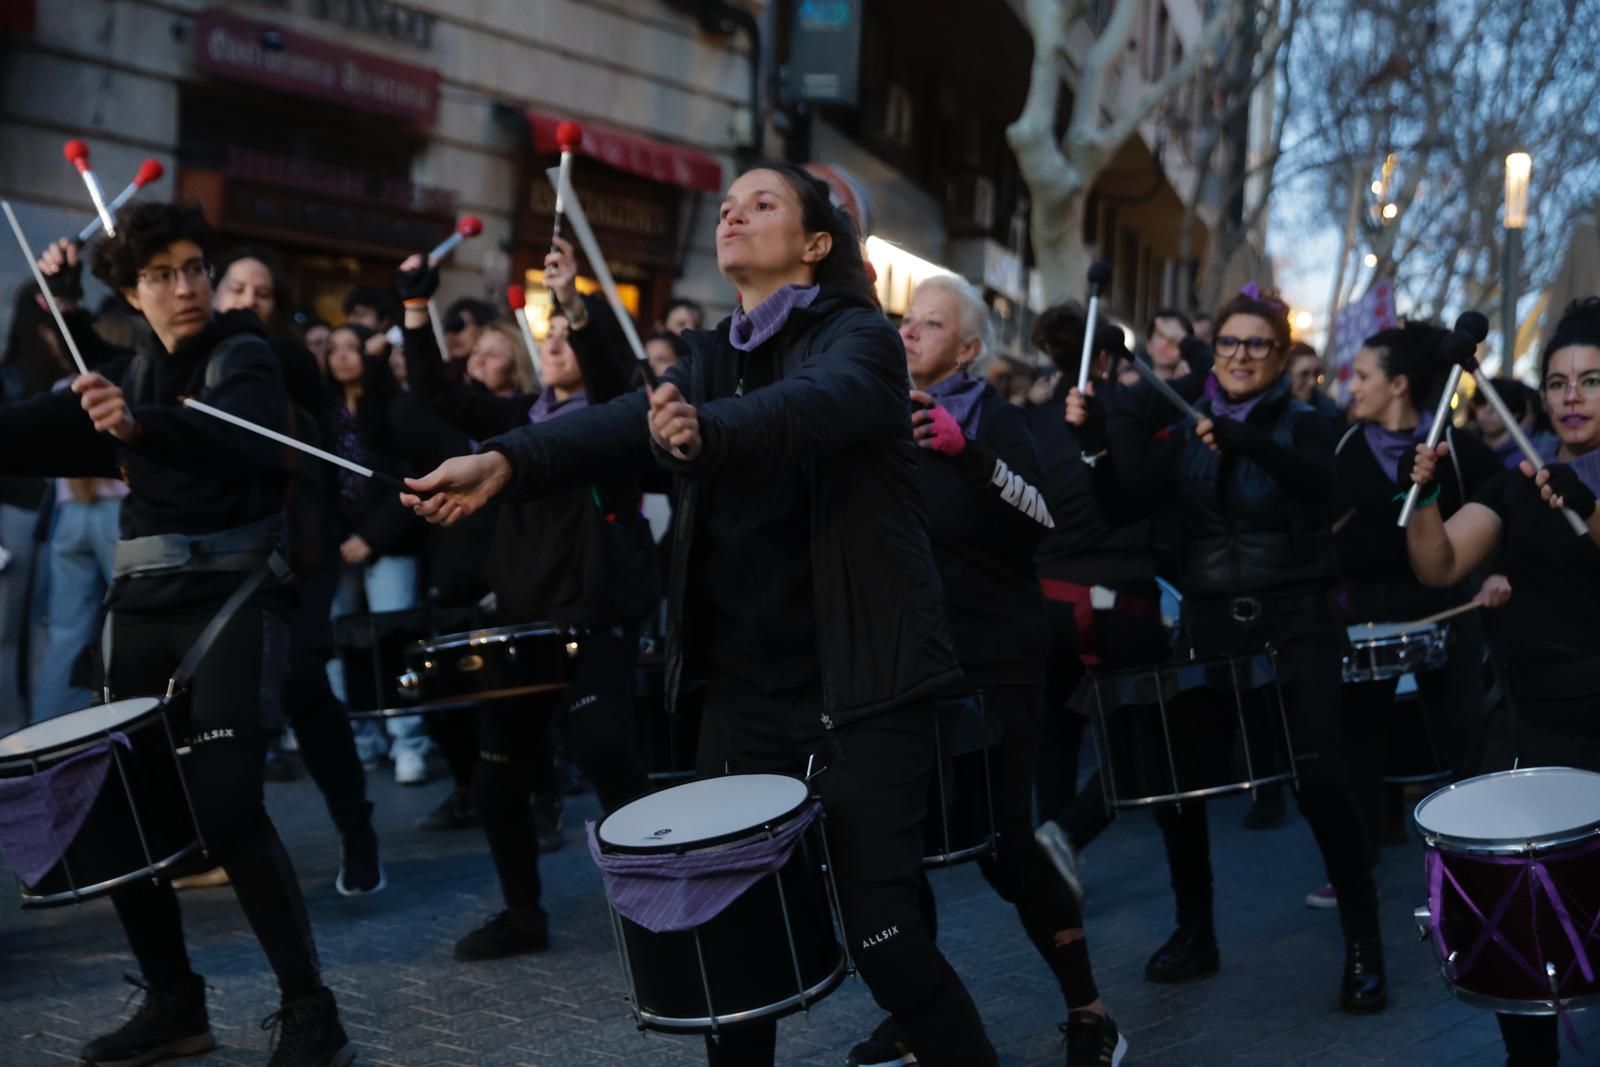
(974, 312)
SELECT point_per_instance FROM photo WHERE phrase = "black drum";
(1189, 730)
(1412, 754)
(108, 782)
(371, 649)
(960, 822)
(478, 665)
(773, 951)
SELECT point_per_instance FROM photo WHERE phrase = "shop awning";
(667, 163)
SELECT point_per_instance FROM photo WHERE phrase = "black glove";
(66, 284)
(1234, 436)
(1402, 478)
(419, 283)
(1575, 496)
(1091, 436)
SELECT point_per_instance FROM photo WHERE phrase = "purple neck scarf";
(1224, 408)
(1389, 445)
(750, 331)
(962, 397)
(547, 407)
(1587, 468)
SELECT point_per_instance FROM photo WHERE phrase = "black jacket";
(580, 557)
(838, 415)
(986, 515)
(1255, 518)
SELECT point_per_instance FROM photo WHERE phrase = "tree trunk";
(1060, 256)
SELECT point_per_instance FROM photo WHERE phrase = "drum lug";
(1550, 976)
(511, 653)
(1449, 968)
(572, 646)
(410, 680)
(1424, 920)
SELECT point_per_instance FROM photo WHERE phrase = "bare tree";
(1060, 172)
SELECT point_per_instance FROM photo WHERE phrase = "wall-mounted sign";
(382, 18)
(824, 64)
(234, 47)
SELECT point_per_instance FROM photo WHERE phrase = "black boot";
(309, 1034)
(170, 1023)
(511, 933)
(360, 871)
(1365, 987)
(887, 1047)
(1191, 952)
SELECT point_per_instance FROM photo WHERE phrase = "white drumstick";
(44, 287)
(597, 262)
(150, 170)
(300, 446)
(77, 153)
(1524, 445)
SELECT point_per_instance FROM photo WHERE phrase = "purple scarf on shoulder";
(1223, 407)
(962, 397)
(749, 331)
(1587, 468)
(1389, 445)
(547, 407)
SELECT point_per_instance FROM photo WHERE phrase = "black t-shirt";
(1554, 575)
(757, 567)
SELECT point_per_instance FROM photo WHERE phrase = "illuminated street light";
(1370, 259)
(1390, 211)
(1519, 171)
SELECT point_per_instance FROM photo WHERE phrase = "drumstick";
(1159, 384)
(469, 226)
(1344, 520)
(1458, 347)
(1448, 613)
(284, 439)
(1524, 445)
(597, 262)
(77, 154)
(517, 297)
(1099, 274)
(150, 170)
(569, 135)
(44, 288)
(1441, 416)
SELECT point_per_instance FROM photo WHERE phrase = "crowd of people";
(863, 530)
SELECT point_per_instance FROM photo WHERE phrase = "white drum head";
(75, 726)
(1514, 806)
(1384, 631)
(701, 812)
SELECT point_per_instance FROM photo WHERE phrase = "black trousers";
(1309, 658)
(874, 794)
(1526, 741)
(321, 721)
(230, 705)
(595, 715)
(1019, 870)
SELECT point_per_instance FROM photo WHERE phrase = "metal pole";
(1508, 302)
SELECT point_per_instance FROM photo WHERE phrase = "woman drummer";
(986, 515)
(1253, 479)
(579, 558)
(1515, 520)
(803, 586)
(1393, 386)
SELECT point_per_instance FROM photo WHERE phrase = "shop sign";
(825, 53)
(382, 18)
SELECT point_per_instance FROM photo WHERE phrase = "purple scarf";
(1587, 468)
(547, 407)
(1389, 445)
(962, 397)
(750, 331)
(1224, 408)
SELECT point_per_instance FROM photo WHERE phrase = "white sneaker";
(371, 744)
(289, 742)
(1053, 839)
(411, 760)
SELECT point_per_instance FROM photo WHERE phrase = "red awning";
(656, 160)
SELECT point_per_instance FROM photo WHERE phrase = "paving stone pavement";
(408, 1004)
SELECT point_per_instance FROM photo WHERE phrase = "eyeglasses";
(162, 279)
(1587, 385)
(1230, 347)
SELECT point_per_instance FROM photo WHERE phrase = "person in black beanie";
(1515, 520)
(803, 588)
(580, 559)
(1253, 481)
(204, 493)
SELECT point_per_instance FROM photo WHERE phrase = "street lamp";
(1519, 169)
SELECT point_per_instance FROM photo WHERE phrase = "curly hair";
(144, 231)
(1579, 325)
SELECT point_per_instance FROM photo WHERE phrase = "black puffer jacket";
(838, 416)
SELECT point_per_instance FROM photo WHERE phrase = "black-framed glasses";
(1229, 347)
(162, 279)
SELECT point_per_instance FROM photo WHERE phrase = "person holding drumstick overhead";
(803, 587)
(581, 558)
(1515, 520)
(204, 519)
(1252, 480)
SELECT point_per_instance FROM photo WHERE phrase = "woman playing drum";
(1393, 387)
(1253, 479)
(1554, 662)
(802, 588)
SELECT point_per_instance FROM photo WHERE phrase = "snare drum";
(370, 650)
(1513, 865)
(479, 665)
(100, 799)
(1189, 730)
(1382, 651)
(774, 950)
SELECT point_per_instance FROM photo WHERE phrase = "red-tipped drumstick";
(569, 135)
(469, 226)
(149, 171)
(517, 297)
(77, 154)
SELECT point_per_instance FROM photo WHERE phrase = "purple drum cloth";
(670, 891)
(40, 814)
(1537, 872)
